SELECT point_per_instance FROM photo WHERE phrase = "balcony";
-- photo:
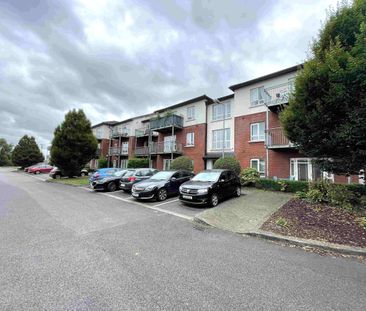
(166, 124)
(121, 133)
(278, 95)
(118, 151)
(276, 139)
(159, 148)
(144, 132)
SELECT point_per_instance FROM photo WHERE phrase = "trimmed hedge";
(282, 185)
(229, 163)
(138, 163)
(358, 189)
(182, 163)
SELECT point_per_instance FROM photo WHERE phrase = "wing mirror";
(173, 179)
(222, 180)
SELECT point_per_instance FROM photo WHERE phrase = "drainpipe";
(266, 141)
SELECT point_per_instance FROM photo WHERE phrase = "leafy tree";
(138, 163)
(182, 163)
(5, 152)
(102, 162)
(74, 144)
(326, 116)
(228, 163)
(26, 152)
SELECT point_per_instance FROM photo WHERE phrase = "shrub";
(363, 222)
(102, 162)
(138, 163)
(281, 222)
(282, 185)
(182, 163)
(315, 196)
(249, 176)
(228, 163)
(300, 195)
(357, 189)
(363, 201)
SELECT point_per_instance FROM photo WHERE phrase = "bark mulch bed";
(317, 222)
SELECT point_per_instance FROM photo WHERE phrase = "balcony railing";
(166, 122)
(276, 139)
(118, 151)
(159, 148)
(144, 132)
(278, 94)
(123, 133)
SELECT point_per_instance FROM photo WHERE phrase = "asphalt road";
(65, 248)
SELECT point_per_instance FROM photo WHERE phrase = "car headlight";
(202, 191)
(180, 189)
(149, 188)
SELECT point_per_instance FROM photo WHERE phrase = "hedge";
(182, 163)
(229, 163)
(138, 163)
(282, 185)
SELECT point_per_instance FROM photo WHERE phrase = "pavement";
(66, 248)
(247, 213)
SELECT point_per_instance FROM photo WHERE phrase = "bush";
(102, 162)
(228, 163)
(249, 176)
(138, 163)
(315, 196)
(282, 185)
(182, 163)
(357, 189)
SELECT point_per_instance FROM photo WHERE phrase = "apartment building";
(244, 124)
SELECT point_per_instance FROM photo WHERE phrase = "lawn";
(301, 219)
(77, 181)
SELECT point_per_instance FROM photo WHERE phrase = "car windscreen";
(129, 173)
(119, 173)
(162, 176)
(207, 176)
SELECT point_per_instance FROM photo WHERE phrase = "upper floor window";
(221, 111)
(257, 131)
(190, 113)
(190, 139)
(257, 96)
(221, 139)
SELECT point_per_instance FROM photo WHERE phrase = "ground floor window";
(259, 165)
(304, 169)
(124, 163)
(166, 164)
(114, 163)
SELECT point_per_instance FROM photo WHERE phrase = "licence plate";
(188, 197)
(136, 195)
(122, 185)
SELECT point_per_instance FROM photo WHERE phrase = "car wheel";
(112, 187)
(214, 200)
(58, 176)
(37, 172)
(238, 191)
(162, 194)
(83, 174)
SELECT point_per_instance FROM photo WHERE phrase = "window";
(125, 148)
(166, 164)
(190, 113)
(259, 165)
(221, 139)
(257, 96)
(190, 139)
(98, 133)
(221, 111)
(124, 163)
(257, 131)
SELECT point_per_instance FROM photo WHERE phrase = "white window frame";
(223, 142)
(258, 136)
(166, 164)
(257, 96)
(225, 112)
(294, 174)
(124, 148)
(190, 139)
(259, 163)
(191, 113)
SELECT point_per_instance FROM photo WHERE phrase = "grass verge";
(77, 181)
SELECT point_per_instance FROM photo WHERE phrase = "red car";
(38, 169)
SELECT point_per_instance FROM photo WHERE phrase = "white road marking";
(167, 202)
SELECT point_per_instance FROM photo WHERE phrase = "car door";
(224, 185)
(232, 182)
(174, 183)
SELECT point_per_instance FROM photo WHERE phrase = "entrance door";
(169, 144)
(209, 164)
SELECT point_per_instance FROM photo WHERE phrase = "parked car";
(102, 173)
(161, 185)
(209, 187)
(29, 167)
(108, 183)
(56, 173)
(136, 175)
(40, 169)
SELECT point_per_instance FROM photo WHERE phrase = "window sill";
(189, 146)
(221, 120)
(190, 120)
(256, 141)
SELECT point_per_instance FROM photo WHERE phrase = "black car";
(209, 187)
(133, 176)
(56, 173)
(108, 183)
(161, 185)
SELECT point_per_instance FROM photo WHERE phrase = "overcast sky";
(120, 58)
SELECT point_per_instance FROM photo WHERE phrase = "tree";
(229, 163)
(5, 152)
(102, 162)
(182, 163)
(74, 144)
(326, 116)
(26, 152)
